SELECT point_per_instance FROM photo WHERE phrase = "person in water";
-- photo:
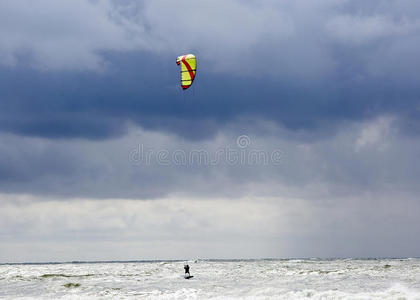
(187, 269)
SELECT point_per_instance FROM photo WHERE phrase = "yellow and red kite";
(188, 64)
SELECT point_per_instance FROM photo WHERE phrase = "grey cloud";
(368, 157)
(289, 40)
(65, 35)
(303, 65)
(333, 85)
(359, 226)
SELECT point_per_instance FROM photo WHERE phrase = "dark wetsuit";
(187, 269)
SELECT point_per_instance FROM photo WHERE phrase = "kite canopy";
(188, 64)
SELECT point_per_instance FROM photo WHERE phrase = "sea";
(215, 279)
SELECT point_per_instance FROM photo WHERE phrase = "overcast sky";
(299, 138)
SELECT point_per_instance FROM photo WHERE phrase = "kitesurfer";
(187, 269)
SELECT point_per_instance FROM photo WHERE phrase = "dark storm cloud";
(57, 104)
(333, 85)
(370, 157)
(304, 66)
(311, 70)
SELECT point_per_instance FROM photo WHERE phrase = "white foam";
(283, 279)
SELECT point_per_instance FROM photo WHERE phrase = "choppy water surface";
(241, 279)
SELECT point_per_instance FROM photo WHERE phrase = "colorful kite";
(188, 64)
